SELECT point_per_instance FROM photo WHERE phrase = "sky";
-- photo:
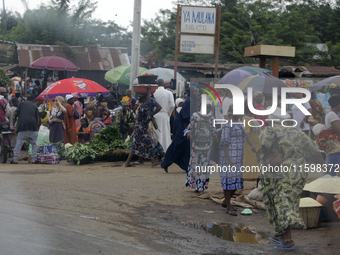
(106, 9)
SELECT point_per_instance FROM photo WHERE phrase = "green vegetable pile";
(78, 152)
(107, 143)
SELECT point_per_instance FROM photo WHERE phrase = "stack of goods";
(48, 154)
(325, 184)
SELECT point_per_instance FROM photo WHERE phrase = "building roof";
(201, 67)
(298, 71)
(316, 71)
(88, 58)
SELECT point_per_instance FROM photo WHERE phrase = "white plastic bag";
(43, 135)
(256, 194)
(153, 134)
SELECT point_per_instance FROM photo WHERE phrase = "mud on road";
(145, 209)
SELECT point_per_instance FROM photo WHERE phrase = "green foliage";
(108, 141)
(78, 152)
(4, 79)
(244, 23)
(108, 135)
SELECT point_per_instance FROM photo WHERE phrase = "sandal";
(138, 163)
(129, 165)
(231, 212)
(225, 206)
(275, 239)
(155, 164)
(282, 247)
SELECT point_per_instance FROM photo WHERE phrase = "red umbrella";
(76, 86)
(54, 63)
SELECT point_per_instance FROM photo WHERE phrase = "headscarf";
(255, 94)
(194, 104)
(334, 100)
(178, 101)
(125, 103)
(42, 108)
(60, 98)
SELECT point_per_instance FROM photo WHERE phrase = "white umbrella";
(163, 73)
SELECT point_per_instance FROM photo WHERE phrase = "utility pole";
(3, 2)
(135, 49)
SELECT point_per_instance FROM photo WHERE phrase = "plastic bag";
(43, 135)
(153, 134)
(256, 194)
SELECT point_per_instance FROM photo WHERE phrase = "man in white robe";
(166, 100)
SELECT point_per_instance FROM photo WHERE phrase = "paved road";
(29, 229)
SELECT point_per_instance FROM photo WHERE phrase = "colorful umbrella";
(76, 86)
(121, 74)
(163, 73)
(54, 63)
(255, 70)
(16, 78)
(262, 82)
(236, 76)
(325, 82)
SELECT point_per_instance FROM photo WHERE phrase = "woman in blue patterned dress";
(231, 160)
(142, 141)
(198, 173)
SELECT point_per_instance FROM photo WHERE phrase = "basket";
(311, 216)
(143, 90)
(147, 79)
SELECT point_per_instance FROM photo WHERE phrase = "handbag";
(76, 115)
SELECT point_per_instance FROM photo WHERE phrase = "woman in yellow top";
(252, 144)
(129, 98)
(43, 116)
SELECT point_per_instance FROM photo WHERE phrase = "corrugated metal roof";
(318, 71)
(201, 65)
(90, 58)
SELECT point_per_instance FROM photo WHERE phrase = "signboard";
(197, 44)
(198, 20)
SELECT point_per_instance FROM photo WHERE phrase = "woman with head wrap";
(129, 98)
(83, 131)
(201, 133)
(56, 120)
(179, 150)
(287, 150)
(125, 120)
(258, 100)
(78, 106)
(142, 145)
(329, 139)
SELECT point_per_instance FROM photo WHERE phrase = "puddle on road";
(230, 232)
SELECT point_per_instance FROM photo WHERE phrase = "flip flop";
(282, 247)
(230, 212)
(275, 239)
(225, 206)
(137, 163)
(156, 164)
(128, 165)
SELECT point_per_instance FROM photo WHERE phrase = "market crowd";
(166, 130)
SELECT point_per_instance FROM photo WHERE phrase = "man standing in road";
(27, 128)
(166, 100)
